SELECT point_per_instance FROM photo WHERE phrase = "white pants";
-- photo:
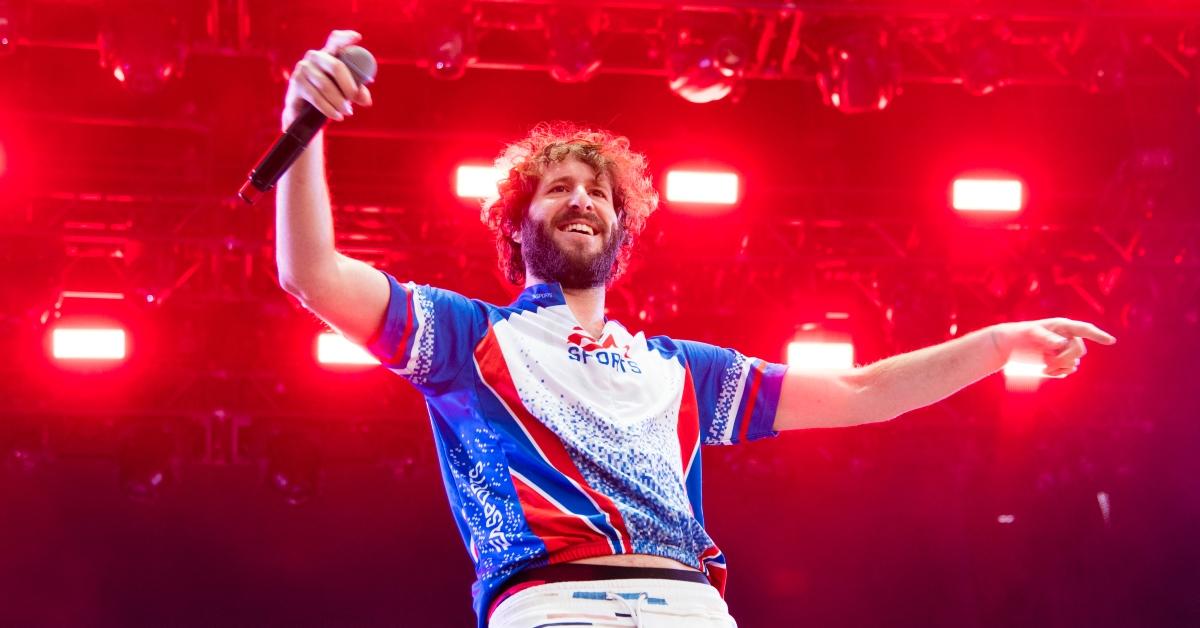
(645, 603)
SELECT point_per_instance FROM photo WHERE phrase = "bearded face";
(571, 234)
(559, 252)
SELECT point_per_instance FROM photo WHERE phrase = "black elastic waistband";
(572, 572)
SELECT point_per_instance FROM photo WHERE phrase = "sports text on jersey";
(584, 348)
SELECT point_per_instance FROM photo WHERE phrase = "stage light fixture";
(141, 43)
(707, 58)
(987, 194)
(448, 57)
(694, 186)
(448, 48)
(571, 38)
(293, 467)
(985, 58)
(100, 295)
(88, 343)
(476, 181)
(334, 350)
(861, 72)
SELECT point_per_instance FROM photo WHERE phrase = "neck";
(586, 304)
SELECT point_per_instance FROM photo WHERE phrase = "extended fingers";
(1081, 329)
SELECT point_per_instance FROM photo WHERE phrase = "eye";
(600, 193)
(558, 188)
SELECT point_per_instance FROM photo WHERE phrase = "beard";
(545, 260)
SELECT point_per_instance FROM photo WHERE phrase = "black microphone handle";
(300, 132)
(283, 153)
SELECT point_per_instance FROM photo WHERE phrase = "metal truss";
(1044, 42)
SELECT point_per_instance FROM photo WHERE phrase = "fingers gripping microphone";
(291, 144)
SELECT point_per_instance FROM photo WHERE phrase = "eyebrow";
(594, 181)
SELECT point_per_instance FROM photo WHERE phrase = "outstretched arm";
(891, 387)
(347, 293)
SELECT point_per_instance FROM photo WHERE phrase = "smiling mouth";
(578, 227)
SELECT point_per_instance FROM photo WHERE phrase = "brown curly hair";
(525, 161)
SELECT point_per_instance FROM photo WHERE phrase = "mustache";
(580, 216)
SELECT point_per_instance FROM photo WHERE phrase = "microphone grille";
(361, 63)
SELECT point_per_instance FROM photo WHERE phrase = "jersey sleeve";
(736, 396)
(427, 335)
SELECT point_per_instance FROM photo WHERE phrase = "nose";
(580, 198)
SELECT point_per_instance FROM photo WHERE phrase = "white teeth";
(580, 228)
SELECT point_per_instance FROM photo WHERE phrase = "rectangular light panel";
(476, 181)
(709, 188)
(820, 356)
(94, 343)
(997, 195)
(333, 348)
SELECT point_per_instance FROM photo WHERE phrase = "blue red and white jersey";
(556, 446)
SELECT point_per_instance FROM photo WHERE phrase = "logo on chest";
(603, 353)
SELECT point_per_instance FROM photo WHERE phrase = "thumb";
(1048, 341)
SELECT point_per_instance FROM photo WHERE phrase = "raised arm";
(348, 294)
(891, 387)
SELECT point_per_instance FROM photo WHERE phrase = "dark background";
(1075, 505)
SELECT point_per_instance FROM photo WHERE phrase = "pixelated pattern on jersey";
(733, 382)
(419, 363)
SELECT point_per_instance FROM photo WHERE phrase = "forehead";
(571, 168)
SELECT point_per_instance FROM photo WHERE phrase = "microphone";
(300, 132)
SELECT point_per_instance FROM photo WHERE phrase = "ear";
(516, 236)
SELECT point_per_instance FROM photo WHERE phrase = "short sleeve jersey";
(556, 446)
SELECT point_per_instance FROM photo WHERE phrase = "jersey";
(556, 446)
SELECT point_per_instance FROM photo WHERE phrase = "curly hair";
(526, 160)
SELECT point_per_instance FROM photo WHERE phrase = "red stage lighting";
(3, 161)
(707, 58)
(861, 73)
(476, 181)
(988, 194)
(88, 343)
(708, 188)
(142, 44)
(88, 294)
(573, 53)
(334, 350)
(449, 45)
(820, 355)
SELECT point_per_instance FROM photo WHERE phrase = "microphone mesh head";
(361, 63)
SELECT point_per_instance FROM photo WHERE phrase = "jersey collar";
(540, 295)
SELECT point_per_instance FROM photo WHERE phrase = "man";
(569, 447)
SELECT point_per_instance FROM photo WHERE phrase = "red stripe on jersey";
(716, 572)
(757, 377)
(494, 371)
(408, 328)
(689, 424)
(557, 527)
